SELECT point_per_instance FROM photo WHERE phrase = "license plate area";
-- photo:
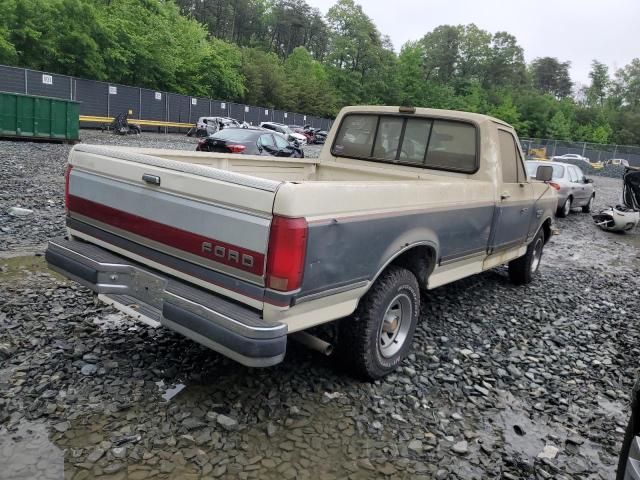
(147, 287)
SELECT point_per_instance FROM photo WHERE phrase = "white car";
(570, 156)
(618, 161)
(286, 131)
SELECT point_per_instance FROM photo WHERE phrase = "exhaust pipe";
(312, 342)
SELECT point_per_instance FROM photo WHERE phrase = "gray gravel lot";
(504, 382)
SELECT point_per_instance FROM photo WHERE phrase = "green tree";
(507, 111)
(559, 127)
(307, 84)
(599, 75)
(552, 76)
(627, 83)
(441, 51)
(506, 64)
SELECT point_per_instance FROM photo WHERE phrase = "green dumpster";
(28, 116)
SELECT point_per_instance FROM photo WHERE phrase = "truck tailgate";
(206, 225)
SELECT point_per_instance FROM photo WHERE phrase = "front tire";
(377, 337)
(565, 210)
(588, 206)
(522, 270)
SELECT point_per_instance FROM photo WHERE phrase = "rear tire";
(522, 270)
(588, 206)
(377, 337)
(565, 209)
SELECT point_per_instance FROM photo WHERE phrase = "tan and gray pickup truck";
(237, 252)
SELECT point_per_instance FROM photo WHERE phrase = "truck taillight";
(67, 175)
(287, 249)
(554, 185)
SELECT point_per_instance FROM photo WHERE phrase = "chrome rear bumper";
(233, 330)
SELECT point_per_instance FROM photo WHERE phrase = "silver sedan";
(574, 189)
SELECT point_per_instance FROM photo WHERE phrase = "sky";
(574, 30)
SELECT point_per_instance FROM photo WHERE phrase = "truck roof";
(432, 112)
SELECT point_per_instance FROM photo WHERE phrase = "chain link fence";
(103, 99)
(595, 152)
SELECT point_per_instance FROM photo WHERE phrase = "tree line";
(285, 54)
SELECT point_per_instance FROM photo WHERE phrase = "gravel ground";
(504, 382)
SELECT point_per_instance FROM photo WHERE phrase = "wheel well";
(419, 260)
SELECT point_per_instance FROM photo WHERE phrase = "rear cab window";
(412, 141)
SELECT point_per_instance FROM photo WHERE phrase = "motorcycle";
(625, 216)
(121, 125)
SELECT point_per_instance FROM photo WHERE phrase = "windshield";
(532, 168)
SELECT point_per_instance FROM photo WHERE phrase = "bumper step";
(227, 327)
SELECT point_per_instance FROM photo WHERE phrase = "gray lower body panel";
(234, 330)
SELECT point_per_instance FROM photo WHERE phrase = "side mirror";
(544, 173)
(588, 180)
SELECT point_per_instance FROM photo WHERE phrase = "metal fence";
(103, 99)
(595, 152)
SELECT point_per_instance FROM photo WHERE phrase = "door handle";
(505, 195)
(153, 179)
(524, 210)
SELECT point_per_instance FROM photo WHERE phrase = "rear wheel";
(566, 208)
(588, 206)
(522, 270)
(377, 337)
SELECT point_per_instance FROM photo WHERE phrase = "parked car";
(321, 135)
(238, 254)
(286, 131)
(206, 126)
(249, 141)
(570, 156)
(309, 134)
(574, 189)
(618, 161)
(629, 460)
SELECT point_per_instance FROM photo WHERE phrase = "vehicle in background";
(121, 125)
(570, 156)
(286, 131)
(206, 126)
(306, 131)
(625, 216)
(249, 141)
(321, 135)
(574, 189)
(617, 161)
(629, 460)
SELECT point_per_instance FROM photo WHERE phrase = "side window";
(355, 137)
(267, 141)
(512, 166)
(508, 158)
(573, 175)
(281, 143)
(452, 146)
(580, 174)
(414, 142)
(388, 138)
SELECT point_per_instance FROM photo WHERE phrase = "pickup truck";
(237, 252)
